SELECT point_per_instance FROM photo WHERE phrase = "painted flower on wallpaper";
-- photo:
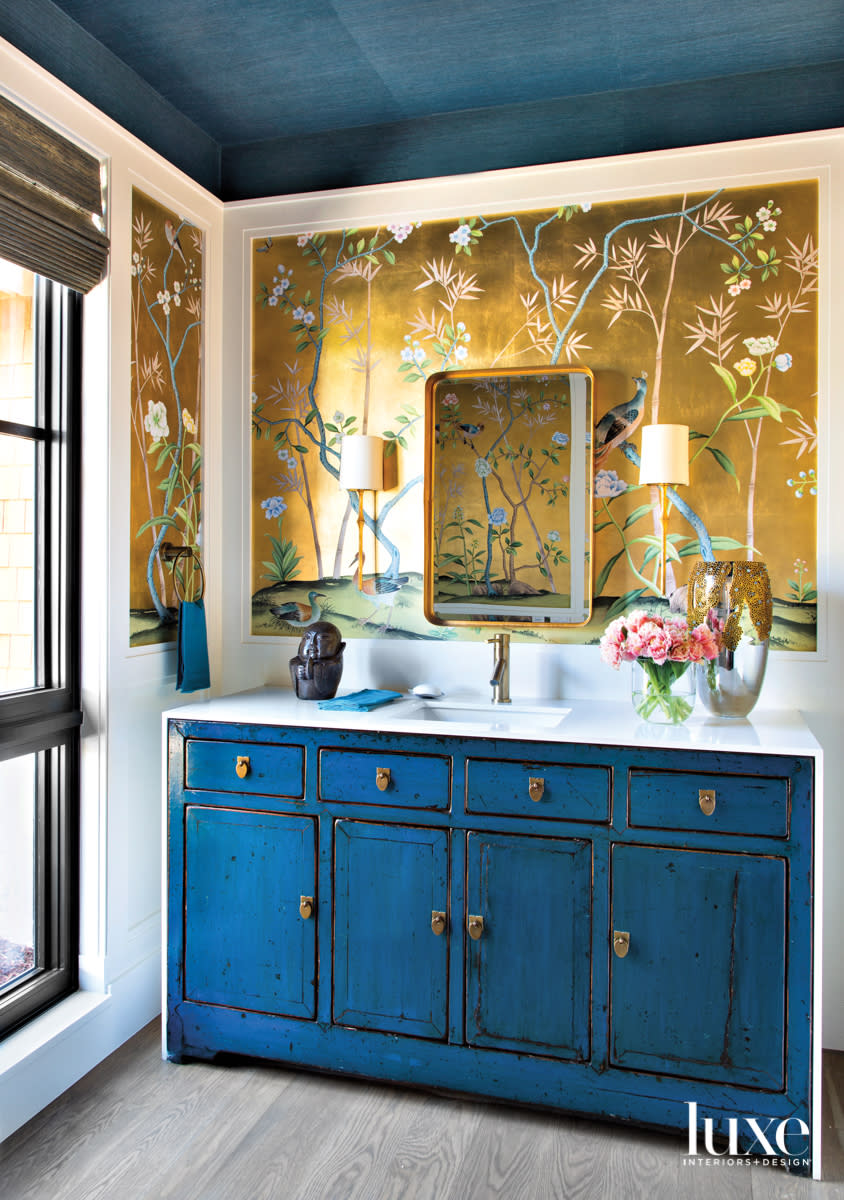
(400, 231)
(783, 362)
(450, 399)
(608, 484)
(164, 299)
(559, 438)
(553, 535)
(273, 507)
(188, 421)
(498, 516)
(805, 480)
(413, 351)
(482, 468)
(735, 289)
(461, 236)
(760, 346)
(745, 366)
(155, 422)
(177, 294)
(303, 239)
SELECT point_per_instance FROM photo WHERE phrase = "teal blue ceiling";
(255, 97)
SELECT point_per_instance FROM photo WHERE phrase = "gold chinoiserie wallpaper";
(166, 408)
(698, 309)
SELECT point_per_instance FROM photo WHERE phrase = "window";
(40, 328)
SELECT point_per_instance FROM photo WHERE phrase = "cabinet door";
(528, 982)
(390, 968)
(246, 944)
(701, 990)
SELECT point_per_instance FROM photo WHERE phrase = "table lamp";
(361, 470)
(664, 460)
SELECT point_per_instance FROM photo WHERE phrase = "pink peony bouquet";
(665, 648)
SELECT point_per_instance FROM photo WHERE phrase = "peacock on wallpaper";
(166, 403)
(696, 309)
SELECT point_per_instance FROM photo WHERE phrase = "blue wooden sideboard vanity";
(619, 927)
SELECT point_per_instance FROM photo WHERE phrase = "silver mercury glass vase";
(733, 599)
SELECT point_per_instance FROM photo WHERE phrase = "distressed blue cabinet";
(701, 990)
(620, 931)
(247, 944)
(528, 973)
(390, 969)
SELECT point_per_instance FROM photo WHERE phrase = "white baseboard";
(51, 1053)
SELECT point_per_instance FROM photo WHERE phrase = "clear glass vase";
(663, 694)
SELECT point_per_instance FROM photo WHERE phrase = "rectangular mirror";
(508, 497)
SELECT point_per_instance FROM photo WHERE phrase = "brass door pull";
(620, 943)
(475, 927)
(438, 922)
(306, 907)
(382, 778)
(706, 800)
(242, 766)
(536, 787)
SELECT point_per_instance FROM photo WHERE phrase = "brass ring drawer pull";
(242, 766)
(438, 922)
(306, 907)
(382, 778)
(536, 787)
(706, 800)
(475, 927)
(620, 943)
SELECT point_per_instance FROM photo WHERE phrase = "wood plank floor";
(138, 1128)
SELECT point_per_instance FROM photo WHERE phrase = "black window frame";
(45, 719)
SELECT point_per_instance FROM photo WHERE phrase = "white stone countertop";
(612, 723)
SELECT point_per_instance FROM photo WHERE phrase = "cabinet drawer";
(749, 804)
(271, 770)
(376, 777)
(561, 791)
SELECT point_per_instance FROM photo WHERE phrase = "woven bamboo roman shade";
(50, 196)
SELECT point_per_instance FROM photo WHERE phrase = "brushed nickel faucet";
(500, 680)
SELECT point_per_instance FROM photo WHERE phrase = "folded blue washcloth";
(363, 701)
(192, 671)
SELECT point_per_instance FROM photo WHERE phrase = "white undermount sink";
(488, 716)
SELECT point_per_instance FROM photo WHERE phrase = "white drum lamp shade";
(362, 463)
(665, 454)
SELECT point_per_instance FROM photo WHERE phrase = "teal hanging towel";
(192, 672)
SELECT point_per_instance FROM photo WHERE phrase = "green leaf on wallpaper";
(637, 514)
(622, 602)
(772, 408)
(156, 522)
(728, 379)
(726, 462)
(605, 571)
(390, 257)
(718, 543)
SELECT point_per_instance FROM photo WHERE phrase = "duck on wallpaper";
(707, 301)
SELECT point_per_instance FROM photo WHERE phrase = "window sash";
(45, 719)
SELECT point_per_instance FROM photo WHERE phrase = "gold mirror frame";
(517, 571)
